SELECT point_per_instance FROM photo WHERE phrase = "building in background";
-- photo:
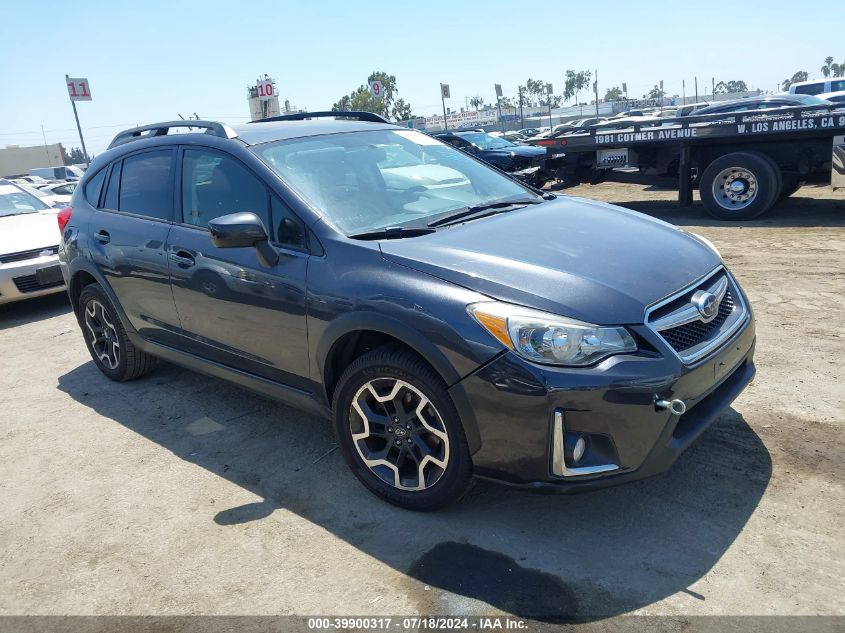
(17, 161)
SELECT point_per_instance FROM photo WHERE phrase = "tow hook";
(675, 406)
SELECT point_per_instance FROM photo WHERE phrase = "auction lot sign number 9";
(78, 89)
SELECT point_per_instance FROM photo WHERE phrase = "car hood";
(28, 231)
(572, 256)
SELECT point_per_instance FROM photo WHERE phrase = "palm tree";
(838, 70)
(828, 63)
(476, 102)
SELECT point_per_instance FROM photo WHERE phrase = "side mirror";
(243, 230)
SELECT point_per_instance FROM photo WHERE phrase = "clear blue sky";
(149, 60)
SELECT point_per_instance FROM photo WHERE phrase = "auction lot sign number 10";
(264, 89)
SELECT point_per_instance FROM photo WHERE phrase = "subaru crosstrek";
(449, 319)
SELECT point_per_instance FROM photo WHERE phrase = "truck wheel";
(740, 186)
(791, 184)
(399, 431)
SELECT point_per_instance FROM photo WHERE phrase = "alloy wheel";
(399, 434)
(104, 340)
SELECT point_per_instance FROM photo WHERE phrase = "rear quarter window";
(837, 84)
(94, 186)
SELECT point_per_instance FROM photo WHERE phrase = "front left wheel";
(399, 430)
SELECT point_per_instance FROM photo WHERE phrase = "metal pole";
(714, 88)
(79, 127)
(443, 99)
(596, 84)
(499, 107)
(46, 151)
(684, 89)
(696, 89)
(550, 112)
(521, 117)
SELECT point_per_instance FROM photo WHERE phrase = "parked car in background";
(689, 108)
(522, 161)
(45, 197)
(530, 131)
(62, 191)
(552, 343)
(833, 97)
(68, 172)
(760, 103)
(29, 243)
(33, 180)
(817, 86)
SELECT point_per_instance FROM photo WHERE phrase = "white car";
(29, 246)
(47, 198)
(61, 191)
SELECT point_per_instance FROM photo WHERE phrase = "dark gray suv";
(449, 319)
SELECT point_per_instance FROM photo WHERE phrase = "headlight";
(707, 242)
(547, 338)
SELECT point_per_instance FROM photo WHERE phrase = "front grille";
(30, 254)
(29, 283)
(678, 321)
(689, 335)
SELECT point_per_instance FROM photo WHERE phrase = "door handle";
(183, 258)
(102, 236)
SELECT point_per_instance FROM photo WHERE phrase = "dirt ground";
(182, 494)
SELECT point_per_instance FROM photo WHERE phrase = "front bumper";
(515, 404)
(19, 280)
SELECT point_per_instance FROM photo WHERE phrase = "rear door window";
(146, 185)
(837, 84)
(113, 189)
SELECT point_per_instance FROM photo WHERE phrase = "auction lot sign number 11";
(78, 89)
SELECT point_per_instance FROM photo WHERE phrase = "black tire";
(131, 362)
(766, 174)
(393, 362)
(791, 184)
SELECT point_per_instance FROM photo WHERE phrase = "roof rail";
(334, 114)
(161, 129)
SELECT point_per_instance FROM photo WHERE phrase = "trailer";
(741, 163)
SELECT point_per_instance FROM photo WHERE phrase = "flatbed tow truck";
(741, 163)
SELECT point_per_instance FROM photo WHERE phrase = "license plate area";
(48, 275)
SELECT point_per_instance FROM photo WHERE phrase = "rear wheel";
(399, 430)
(740, 186)
(106, 339)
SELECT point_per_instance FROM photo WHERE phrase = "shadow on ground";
(33, 310)
(544, 557)
(796, 211)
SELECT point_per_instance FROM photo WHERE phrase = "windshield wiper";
(480, 208)
(393, 233)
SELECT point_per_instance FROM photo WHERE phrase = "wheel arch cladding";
(356, 333)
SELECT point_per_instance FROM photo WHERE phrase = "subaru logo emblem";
(706, 304)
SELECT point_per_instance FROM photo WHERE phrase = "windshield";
(368, 181)
(15, 201)
(485, 141)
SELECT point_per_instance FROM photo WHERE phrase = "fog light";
(579, 449)
(575, 447)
